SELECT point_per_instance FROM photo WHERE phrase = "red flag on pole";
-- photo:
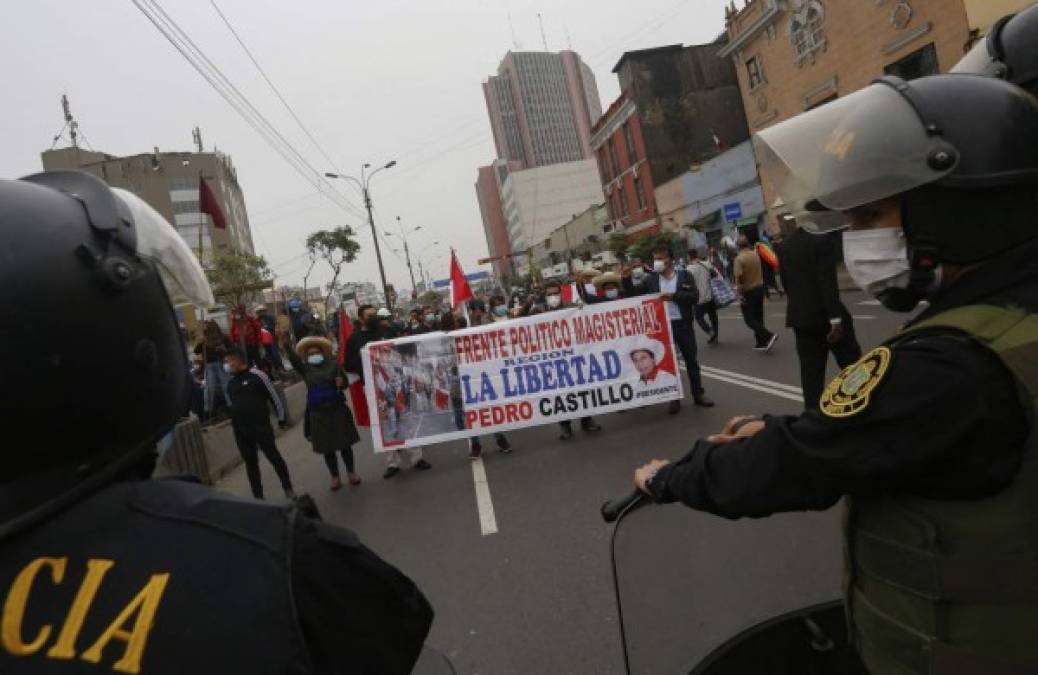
(207, 204)
(460, 290)
(357, 398)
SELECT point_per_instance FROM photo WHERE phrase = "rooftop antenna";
(70, 123)
(511, 27)
(544, 40)
(196, 136)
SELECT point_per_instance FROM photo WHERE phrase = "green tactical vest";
(940, 586)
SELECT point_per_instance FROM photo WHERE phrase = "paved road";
(536, 596)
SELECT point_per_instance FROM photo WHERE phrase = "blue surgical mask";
(500, 310)
(315, 359)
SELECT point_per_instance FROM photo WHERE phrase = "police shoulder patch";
(849, 393)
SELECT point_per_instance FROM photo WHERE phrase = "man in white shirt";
(701, 272)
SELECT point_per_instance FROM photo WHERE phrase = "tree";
(618, 244)
(237, 278)
(336, 247)
(643, 247)
(430, 299)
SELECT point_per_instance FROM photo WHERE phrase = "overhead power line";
(205, 67)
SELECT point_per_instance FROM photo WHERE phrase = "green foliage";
(430, 298)
(237, 278)
(643, 247)
(618, 244)
(336, 247)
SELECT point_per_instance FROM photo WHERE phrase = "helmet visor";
(856, 150)
(979, 61)
(157, 241)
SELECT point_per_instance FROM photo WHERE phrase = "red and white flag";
(460, 289)
(360, 403)
(569, 293)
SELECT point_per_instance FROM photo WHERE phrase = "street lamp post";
(407, 249)
(363, 184)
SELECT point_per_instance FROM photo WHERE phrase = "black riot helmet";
(92, 362)
(1008, 52)
(960, 150)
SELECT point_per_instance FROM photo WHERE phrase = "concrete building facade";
(495, 227)
(536, 201)
(680, 106)
(541, 107)
(573, 243)
(794, 55)
(170, 183)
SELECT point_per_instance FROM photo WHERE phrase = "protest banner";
(541, 369)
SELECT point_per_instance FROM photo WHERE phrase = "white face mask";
(638, 272)
(877, 259)
(227, 369)
(553, 300)
(658, 266)
(315, 359)
(430, 318)
(612, 293)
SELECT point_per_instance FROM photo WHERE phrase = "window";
(629, 142)
(754, 72)
(639, 192)
(613, 157)
(603, 165)
(623, 199)
(920, 63)
(805, 29)
(185, 207)
(183, 183)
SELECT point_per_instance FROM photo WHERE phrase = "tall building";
(542, 106)
(680, 106)
(797, 55)
(488, 193)
(171, 183)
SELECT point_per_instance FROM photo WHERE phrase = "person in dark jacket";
(251, 393)
(680, 296)
(820, 322)
(331, 428)
(212, 348)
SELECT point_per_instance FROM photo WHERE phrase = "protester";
(330, 423)
(820, 322)
(370, 331)
(498, 308)
(679, 294)
(749, 285)
(212, 348)
(719, 262)
(607, 287)
(250, 393)
(245, 331)
(553, 302)
(702, 272)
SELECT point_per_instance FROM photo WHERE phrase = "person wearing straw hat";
(607, 286)
(331, 427)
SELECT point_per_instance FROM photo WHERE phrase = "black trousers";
(813, 351)
(251, 441)
(685, 341)
(753, 314)
(332, 462)
(704, 311)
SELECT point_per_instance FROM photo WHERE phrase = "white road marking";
(485, 506)
(756, 380)
(863, 317)
(786, 391)
(870, 302)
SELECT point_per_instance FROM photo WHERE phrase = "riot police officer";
(930, 435)
(101, 568)
(1009, 51)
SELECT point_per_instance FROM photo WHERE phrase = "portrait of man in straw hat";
(646, 355)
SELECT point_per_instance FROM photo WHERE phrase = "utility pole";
(407, 250)
(544, 40)
(196, 136)
(378, 252)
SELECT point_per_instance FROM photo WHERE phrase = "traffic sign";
(732, 211)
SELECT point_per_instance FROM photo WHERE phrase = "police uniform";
(102, 570)
(931, 434)
(172, 577)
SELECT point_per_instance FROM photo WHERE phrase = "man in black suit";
(680, 297)
(819, 320)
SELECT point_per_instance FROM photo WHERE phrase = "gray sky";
(373, 81)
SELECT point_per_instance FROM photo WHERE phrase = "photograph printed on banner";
(417, 390)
